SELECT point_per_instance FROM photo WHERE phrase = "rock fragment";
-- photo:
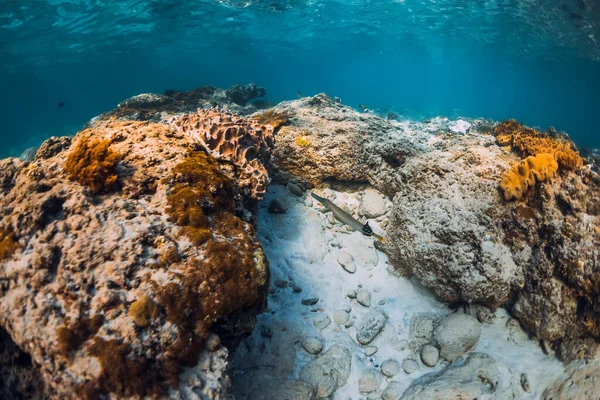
(390, 368)
(456, 334)
(393, 391)
(409, 366)
(312, 345)
(430, 355)
(329, 371)
(370, 326)
(364, 298)
(346, 261)
(277, 207)
(369, 380)
(321, 321)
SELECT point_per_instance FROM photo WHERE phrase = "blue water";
(537, 61)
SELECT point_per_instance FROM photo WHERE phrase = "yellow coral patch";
(142, 311)
(302, 141)
(531, 143)
(524, 174)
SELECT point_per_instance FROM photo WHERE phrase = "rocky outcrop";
(157, 107)
(581, 381)
(480, 376)
(120, 254)
(450, 225)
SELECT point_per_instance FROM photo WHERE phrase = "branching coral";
(244, 143)
(92, 163)
(524, 174)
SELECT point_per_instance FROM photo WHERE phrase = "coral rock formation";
(123, 287)
(524, 174)
(450, 226)
(245, 143)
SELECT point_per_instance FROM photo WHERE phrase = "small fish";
(346, 218)
(362, 107)
(61, 103)
(299, 95)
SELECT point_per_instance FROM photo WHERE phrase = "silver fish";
(346, 218)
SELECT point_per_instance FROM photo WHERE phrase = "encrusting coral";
(524, 174)
(92, 163)
(529, 142)
(132, 284)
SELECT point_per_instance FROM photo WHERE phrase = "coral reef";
(157, 107)
(531, 143)
(524, 174)
(120, 295)
(450, 226)
(245, 143)
(92, 164)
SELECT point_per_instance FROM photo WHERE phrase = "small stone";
(372, 204)
(295, 189)
(213, 342)
(430, 355)
(277, 207)
(296, 289)
(456, 334)
(345, 260)
(390, 368)
(340, 317)
(376, 395)
(369, 327)
(349, 324)
(310, 301)
(346, 308)
(280, 283)
(393, 391)
(370, 350)
(321, 321)
(364, 298)
(381, 302)
(525, 383)
(312, 345)
(308, 201)
(369, 381)
(330, 219)
(266, 332)
(484, 314)
(351, 294)
(410, 366)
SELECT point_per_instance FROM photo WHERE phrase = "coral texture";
(121, 294)
(531, 143)
(93, 164)
(245, 143)
(524, 174)
(450, 226)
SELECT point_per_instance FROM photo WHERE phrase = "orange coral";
(8, 244)
(524, 174)
(245, 143)
(531, 143)
(93, 164)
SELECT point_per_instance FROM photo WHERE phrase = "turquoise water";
(537, 61)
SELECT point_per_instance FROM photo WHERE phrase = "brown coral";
(142, 311)
(244, 143)
(8, 244)
(271, 117)
(226, 278)
(531, 143)
(92, 163)
(524, 174)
